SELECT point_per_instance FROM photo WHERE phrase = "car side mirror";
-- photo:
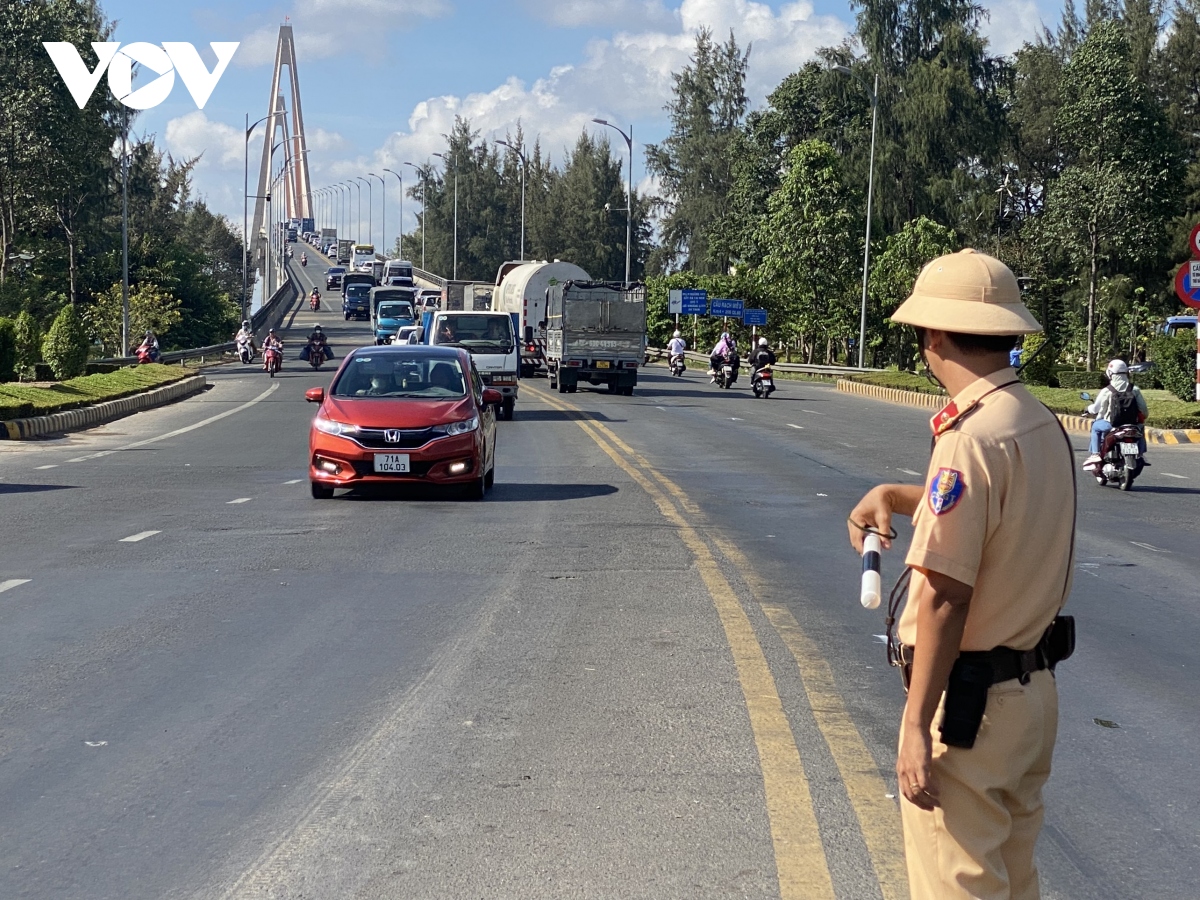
(315, 395)
(1085, 396)
(492, 397)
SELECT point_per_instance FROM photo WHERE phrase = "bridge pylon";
(296, 187)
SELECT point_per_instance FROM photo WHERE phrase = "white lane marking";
(1149, 547)
(52, 466)
(848, 446)
(797, 427)
(294, 481)
(812, 412)
(663, 408)
(178, 431)
(140, 536)
(735, 420)
(12, 583)
(239, 500)
(881, 638)
(910, 472)
(1173, 475)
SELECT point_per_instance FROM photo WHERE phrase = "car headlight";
(330, 426)
(464, 427)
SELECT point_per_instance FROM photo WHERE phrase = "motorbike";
(1121, 457)
(762, 382)
(303, 260)
(274, 360)
(316, 355)
(146, 354)
(727, 372)
(246, 352)
(678, 367)
(314, 303)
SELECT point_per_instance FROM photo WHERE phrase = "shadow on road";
(36, 488)
(501, 493)
(557, 415)
(1163, 489)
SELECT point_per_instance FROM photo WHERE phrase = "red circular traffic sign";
(1194, 241)
(1187, 289)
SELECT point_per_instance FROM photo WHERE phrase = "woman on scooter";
(1121, 403)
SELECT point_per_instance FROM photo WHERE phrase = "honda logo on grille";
(392, 436)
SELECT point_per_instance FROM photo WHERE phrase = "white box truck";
(491, 340)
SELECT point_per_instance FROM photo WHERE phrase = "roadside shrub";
(1039, 360)
(29, 345)
(1078, 379)
(65, 348)
(8, 350)
(1175, 363)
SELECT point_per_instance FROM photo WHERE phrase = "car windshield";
(482, 334)
(358, 290)
(337, 270)
(395, 310)
(410, 376)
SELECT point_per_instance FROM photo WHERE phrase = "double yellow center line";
(800, 859)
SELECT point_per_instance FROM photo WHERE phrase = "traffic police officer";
(990, 561)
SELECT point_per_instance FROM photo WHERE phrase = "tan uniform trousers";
(979, 844)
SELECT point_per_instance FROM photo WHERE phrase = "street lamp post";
(125, 236)
(370, 209)
(357, 222)
(524, 167)
(272, 229)
(874, 94)
(448, 162)
(629, 195)
(382, 212)
(400, 230)
(424, 197)
(246, 214)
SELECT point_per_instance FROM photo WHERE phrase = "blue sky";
(382, 80)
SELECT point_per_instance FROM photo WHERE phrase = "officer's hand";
(914, 767)
(874, 511)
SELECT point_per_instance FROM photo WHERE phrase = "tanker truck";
(521, 289)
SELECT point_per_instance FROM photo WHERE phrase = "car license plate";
(603, 364)
(391, 463)
(1129, 449)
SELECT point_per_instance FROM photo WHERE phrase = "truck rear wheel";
(506, 409)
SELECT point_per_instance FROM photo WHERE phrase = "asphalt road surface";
(638, 669)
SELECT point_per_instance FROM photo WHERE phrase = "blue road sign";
(754, 317)
(695, 302)
(728, 308)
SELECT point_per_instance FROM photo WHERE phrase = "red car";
(404, 414)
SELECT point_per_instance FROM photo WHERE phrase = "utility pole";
(424, 173)
(447, 160)
(382, 212)
(125, 235)
(629, 195)
(400, 230)
(370, 209)
(524, 166)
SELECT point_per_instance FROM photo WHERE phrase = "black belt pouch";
(1060, 640)
(966, 699)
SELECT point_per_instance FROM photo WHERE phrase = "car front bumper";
(341, 462)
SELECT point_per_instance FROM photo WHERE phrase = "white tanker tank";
(521, 288)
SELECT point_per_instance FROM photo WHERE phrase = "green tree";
(150, 308)
(29, 345)
(693, 163)
(65, 347)
(1113, 202)
(810, 249)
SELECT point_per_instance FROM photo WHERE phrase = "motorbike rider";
(1121, 403)
(315, 297)
(675, 347)
(304, 259)
(271, 342)
(245, 336)
(317, 342)
(726, 347)
(149, 345)
(763, 356)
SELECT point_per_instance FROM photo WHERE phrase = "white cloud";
(216, 143)
(577, 13)
(314, 40)
(1010, 23)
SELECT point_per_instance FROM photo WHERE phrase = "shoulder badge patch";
(945, 490)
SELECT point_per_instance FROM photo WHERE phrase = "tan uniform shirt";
(997, 514)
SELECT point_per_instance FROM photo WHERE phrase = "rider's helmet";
(967, 293)
(725, 336)
(1116, 367)
(246, 324)
(316, 328)
(762, 342)
(676, 334)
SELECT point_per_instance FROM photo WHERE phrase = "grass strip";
(19, 401)
(1166, 410)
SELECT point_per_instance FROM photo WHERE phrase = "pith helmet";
(967, 293)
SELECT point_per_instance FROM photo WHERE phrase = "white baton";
(872, 585)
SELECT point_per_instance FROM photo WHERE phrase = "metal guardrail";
(267, 316)
(430, 277)
(803, 368)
